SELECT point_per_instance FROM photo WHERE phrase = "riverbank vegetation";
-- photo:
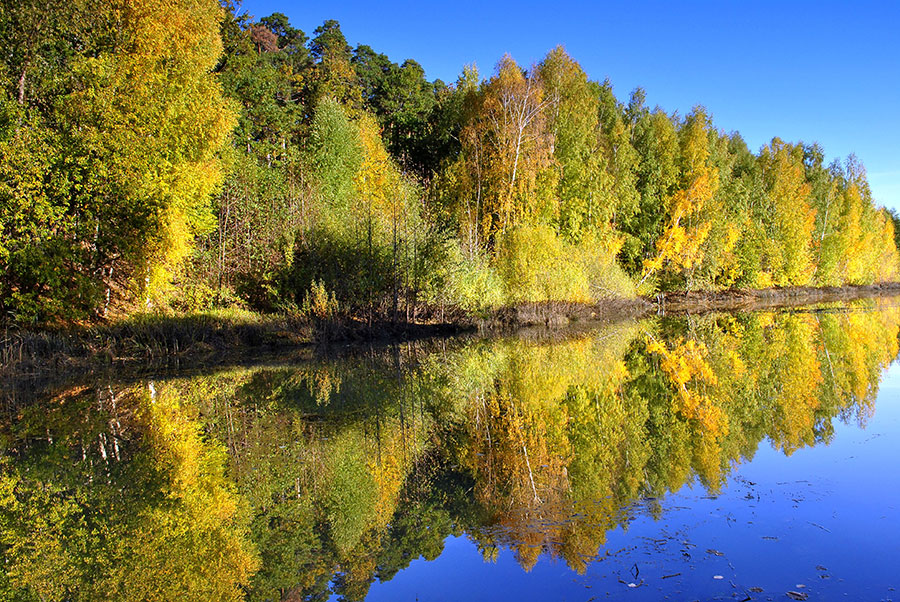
(180, 157)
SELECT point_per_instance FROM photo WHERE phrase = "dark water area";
(718, 457)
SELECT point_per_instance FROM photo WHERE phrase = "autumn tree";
(679, 246)
(134, 160)
(793, 218)
(513, 126)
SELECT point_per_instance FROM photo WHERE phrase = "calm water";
(733, 457)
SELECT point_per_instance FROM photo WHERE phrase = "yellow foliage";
(799, 377)
(511, 149)
(157, 119)
(764, 279)
(685, 364)
(788, 194)
(377, 180)
(536, 265)
(680, 246)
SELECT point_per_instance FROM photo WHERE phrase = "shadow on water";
(314, 479)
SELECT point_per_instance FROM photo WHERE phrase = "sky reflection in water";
(826, 518)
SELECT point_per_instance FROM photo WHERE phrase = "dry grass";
(147, 338)
(207, 337)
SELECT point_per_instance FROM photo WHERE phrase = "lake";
(745, 456)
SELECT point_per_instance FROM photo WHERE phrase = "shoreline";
(217, 338)
(693, 302)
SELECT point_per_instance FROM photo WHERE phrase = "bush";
(318, 302)
(359, 276)
(471, 282)
(536, 265)
(606, 278)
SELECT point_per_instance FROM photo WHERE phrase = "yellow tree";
(388, 207)
(887, 259)
(377, 181)
(514, 126)
(793, 217)
(151, 118)
(869, 250)
(679, 247)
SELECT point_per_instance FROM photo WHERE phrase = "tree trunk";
(20, 96)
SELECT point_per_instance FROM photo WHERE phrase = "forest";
(183, 156)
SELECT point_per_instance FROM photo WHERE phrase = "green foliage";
(351, 493)
(535, 266)
(655, 142)
(358, 275)
(466, 282)
(334, 153)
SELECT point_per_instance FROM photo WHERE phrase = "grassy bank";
(222, 335)
(207, 337)
(226, 335)
(145, 338)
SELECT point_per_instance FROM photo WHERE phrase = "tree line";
(185, 155)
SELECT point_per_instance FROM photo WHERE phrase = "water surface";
(726, 456)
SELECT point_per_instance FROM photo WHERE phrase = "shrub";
(536, 265)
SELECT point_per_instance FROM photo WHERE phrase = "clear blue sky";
(820, 71)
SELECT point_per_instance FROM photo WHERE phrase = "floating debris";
(797, 595)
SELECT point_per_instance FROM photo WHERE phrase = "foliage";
(119, 159)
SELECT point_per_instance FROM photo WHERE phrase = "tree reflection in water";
(291, 483)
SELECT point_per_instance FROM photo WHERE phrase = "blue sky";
(813, 71)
